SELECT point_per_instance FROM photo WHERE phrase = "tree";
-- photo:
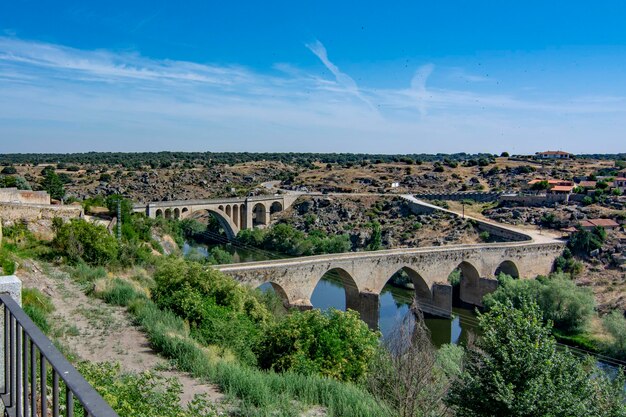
(335, 344)
(515, 369)
(560, 300)
(410, 374)
(584, 241)
(82, 241)
(541, 185)
(10, 170)
(504, 154)
(53, 185)
(376, 239)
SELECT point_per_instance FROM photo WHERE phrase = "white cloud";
(52, 95)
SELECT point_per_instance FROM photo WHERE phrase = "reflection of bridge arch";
(349, 286)
(508, 268)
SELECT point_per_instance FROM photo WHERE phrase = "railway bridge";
(233, 214)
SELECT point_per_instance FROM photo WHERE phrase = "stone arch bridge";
(234, 214)
(364, 274)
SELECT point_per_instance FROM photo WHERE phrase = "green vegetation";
(615, 324)
(259, 393)
(541, 185)
(286, 239)
(53, 185)
(333, 344)
(560, 301)
(583, 242)
(81, 241)
(515, 369)
(38, 307)
(144, 394)
(376, 238)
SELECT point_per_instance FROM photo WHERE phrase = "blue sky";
(389, 77)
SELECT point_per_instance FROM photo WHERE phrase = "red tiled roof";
(551, 182)
(562, 188)
(589, 184)
(620, 179)
(604, 222)
(599, 222)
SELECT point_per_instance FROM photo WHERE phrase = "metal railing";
(35, 372)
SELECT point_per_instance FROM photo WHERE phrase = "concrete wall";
(13, 195)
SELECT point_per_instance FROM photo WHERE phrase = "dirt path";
(98, 332)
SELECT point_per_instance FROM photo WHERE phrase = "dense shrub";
(615, 324)
(568, 306)
(516, 370)
(334, 343)
(584, 242)
(144, 394)
(287, 239)
(80, 240)
(218, 309)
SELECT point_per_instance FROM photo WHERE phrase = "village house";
(620, 182)
(590, 224)
(553, 155)
(555, 186)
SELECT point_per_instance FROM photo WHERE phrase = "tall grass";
(260, 393)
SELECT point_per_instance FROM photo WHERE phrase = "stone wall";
(461, 195)
(11, 212)
(13, 195)
(534, 200)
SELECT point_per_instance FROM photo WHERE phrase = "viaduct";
(234, 214)
(364, 274)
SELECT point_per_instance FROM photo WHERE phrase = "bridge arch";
(350, 288)
(228, 212)
(278, 290)
(236, 215)
(159, 213)
(225, 222)
(509, 268)
(184, 211)
(168, 213)
(177, 213)
(259, 214)
(469, 287)
(276, 207)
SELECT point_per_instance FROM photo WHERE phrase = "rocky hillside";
(356, 215)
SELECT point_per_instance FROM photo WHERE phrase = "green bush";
(615, 324)
(81, 241)
(335, 344)
(516, 370)
(144, 394)
(219, 310)
(584, 242)
(561, 301)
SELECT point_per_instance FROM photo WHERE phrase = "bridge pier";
(441, 304)
(473, 292)
(367, 305)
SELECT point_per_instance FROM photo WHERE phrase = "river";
(394, 301)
